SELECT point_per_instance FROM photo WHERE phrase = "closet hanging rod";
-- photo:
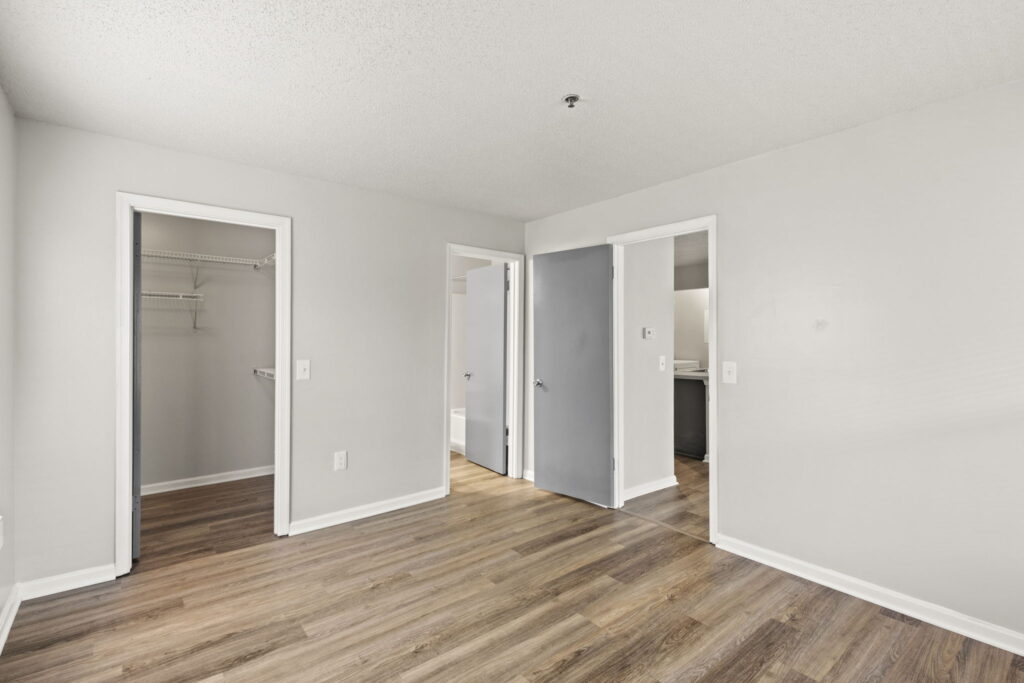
(190, 257)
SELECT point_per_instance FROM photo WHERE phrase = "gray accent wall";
(871, 432)
(7, 174)
(691, 277)
(368, 302)
(203, 410)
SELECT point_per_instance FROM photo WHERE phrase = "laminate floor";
(178, 526)
(683, 507)
(498, 582)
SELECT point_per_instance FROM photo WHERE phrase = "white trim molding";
(206, 480)
(127, 205)
(650, 487)
(362, 511)
(937, 615)
(7, 614)
(49, 585)
(707, 224)
(528, 475)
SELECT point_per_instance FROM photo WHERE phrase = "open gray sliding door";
(136, 384)
(572, 358)
(485, 367)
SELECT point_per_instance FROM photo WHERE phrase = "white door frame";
(127, 205)
(619, 242)
(513, 350)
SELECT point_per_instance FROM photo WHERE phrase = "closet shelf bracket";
(265, 373)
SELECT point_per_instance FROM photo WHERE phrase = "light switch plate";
(729, 371)
(301, 370)
(661, 363)
(649, 333)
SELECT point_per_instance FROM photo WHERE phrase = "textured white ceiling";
(458, 101)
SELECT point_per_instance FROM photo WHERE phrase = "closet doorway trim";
(127, 205)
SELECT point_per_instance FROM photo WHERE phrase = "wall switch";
(301, 370)
(340, 460)
(649, 333)
(661, 363)
(729, 372)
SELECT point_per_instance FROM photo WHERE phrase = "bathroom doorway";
(483, 361)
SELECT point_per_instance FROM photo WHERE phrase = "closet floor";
(179, 526)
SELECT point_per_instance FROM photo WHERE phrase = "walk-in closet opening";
(205, 384)
(484, 356)
(203, 378)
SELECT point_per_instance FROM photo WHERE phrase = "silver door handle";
(467, 374)
(538, 382)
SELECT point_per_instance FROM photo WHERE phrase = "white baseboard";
(943, 617)
(369, 510)
(81, 578)
(528, 475)
(206, 480)
(649, 487)
(457, 446)
(7, 614)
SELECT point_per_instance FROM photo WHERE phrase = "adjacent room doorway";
(483, 361)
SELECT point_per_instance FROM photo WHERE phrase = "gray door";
(485, 367)
(136, 384)
(572, 357)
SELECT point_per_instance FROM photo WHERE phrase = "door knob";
(538, 382)
(467, 374)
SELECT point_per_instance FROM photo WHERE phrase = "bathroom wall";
(203, 410)
(691, 307)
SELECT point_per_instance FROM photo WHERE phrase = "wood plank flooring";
(498, 582)
(178, 526)
(683, 507)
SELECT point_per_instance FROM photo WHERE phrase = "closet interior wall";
(204, 411)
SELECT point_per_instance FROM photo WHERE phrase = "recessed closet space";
(204, 376)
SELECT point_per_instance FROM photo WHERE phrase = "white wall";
(203, 410)
(369, 288)
(870, 432)
(7, 181)
(647, 420)
(691, 307)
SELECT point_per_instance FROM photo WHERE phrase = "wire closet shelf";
(189, 257)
